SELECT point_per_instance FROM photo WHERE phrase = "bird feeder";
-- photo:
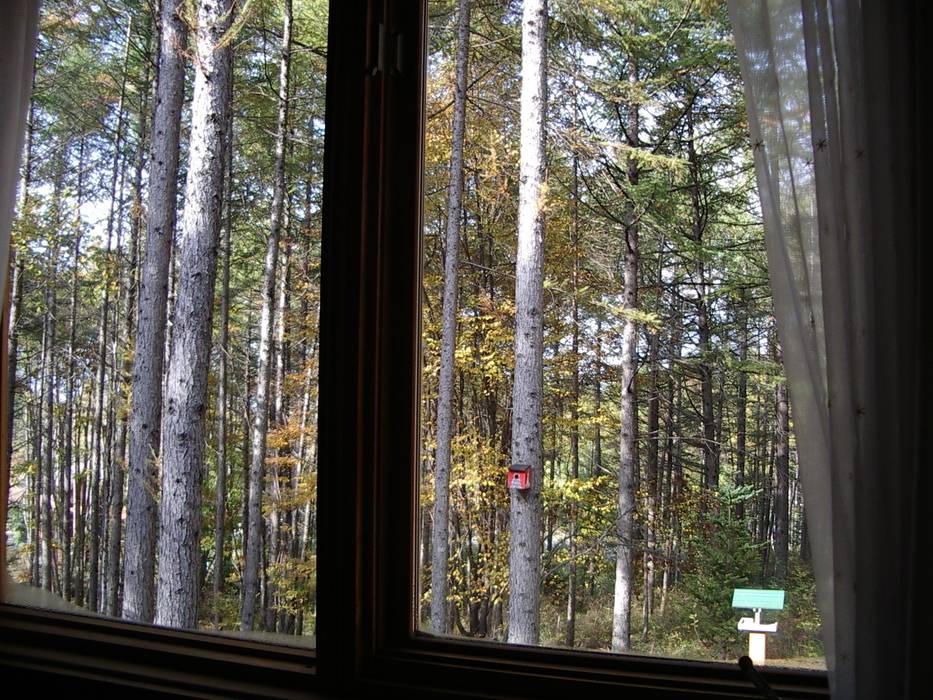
(519, 478)
(757, 600)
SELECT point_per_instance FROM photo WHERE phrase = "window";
(651, 319)
(116, 463)
(368, 506)
(376, 502)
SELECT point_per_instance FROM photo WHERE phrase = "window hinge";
(389, 52)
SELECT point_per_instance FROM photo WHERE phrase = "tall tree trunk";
(741, 405)
(525, 507)
(124, 363)
(805, 550)
(112, 447)
(81, 506)
(628, 455)
(35, 567)
(178, 581)
(50, 372)
(672, 487)
(101, 454)
(47, 464)
(651, 472)
(759, 473)
(303, 515)
(710, 464)
(245, 447)
(571, 619)
(148, 359)
(781, 470)
(598, 399)
(628, 464)
(445, 428)
(17, 265)
(280, 420)
(16, 304)
(72, 368)
(251, 571)
(698, 225)
(223, 344)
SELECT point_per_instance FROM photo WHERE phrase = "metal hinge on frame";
(388, 52)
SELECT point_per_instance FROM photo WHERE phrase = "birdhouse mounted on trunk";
(520, 477)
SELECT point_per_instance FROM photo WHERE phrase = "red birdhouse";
(520, 477)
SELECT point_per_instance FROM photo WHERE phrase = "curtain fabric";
(18, 23)
(17, 46)
(841, 234)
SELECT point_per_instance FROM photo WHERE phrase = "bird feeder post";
(757, 642)
(757, 600)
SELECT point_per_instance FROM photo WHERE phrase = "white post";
(757, 642)
(756, 647)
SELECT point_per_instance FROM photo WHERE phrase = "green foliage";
(723, 556)
(799, 622)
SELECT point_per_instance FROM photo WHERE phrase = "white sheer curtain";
(830, 97)
(17, 47)
(18, 20)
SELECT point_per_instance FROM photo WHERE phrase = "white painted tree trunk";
(186, 380)
(148, 360)
(525, 512)
(445, 422)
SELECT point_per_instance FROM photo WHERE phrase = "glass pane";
(164, 328)
(607, 448)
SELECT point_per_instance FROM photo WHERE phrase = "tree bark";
(17, 265)
(47, 464)
(81, 507)
(277, 552)
(445, 425)
(651, 476)
(16, 303)
(69, 438)
(525, 506)
(101, 453)
(781, 472)
(672, 487)
(741, 406)
(251, 571)
(245, 446)
(628, 455)
(223, 344)
(698, 225)
(123, 365)
(598, 399)
(624, 585)
(571, 618)
(148, 359)
(35, 568)
(178, 581)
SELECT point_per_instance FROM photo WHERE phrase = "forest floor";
(815, 663)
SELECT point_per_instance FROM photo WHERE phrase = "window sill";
(108, 652)
(66, 650)
(473, 668)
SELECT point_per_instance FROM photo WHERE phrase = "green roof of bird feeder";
(758, 598)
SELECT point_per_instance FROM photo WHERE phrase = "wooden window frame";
(368, 502)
